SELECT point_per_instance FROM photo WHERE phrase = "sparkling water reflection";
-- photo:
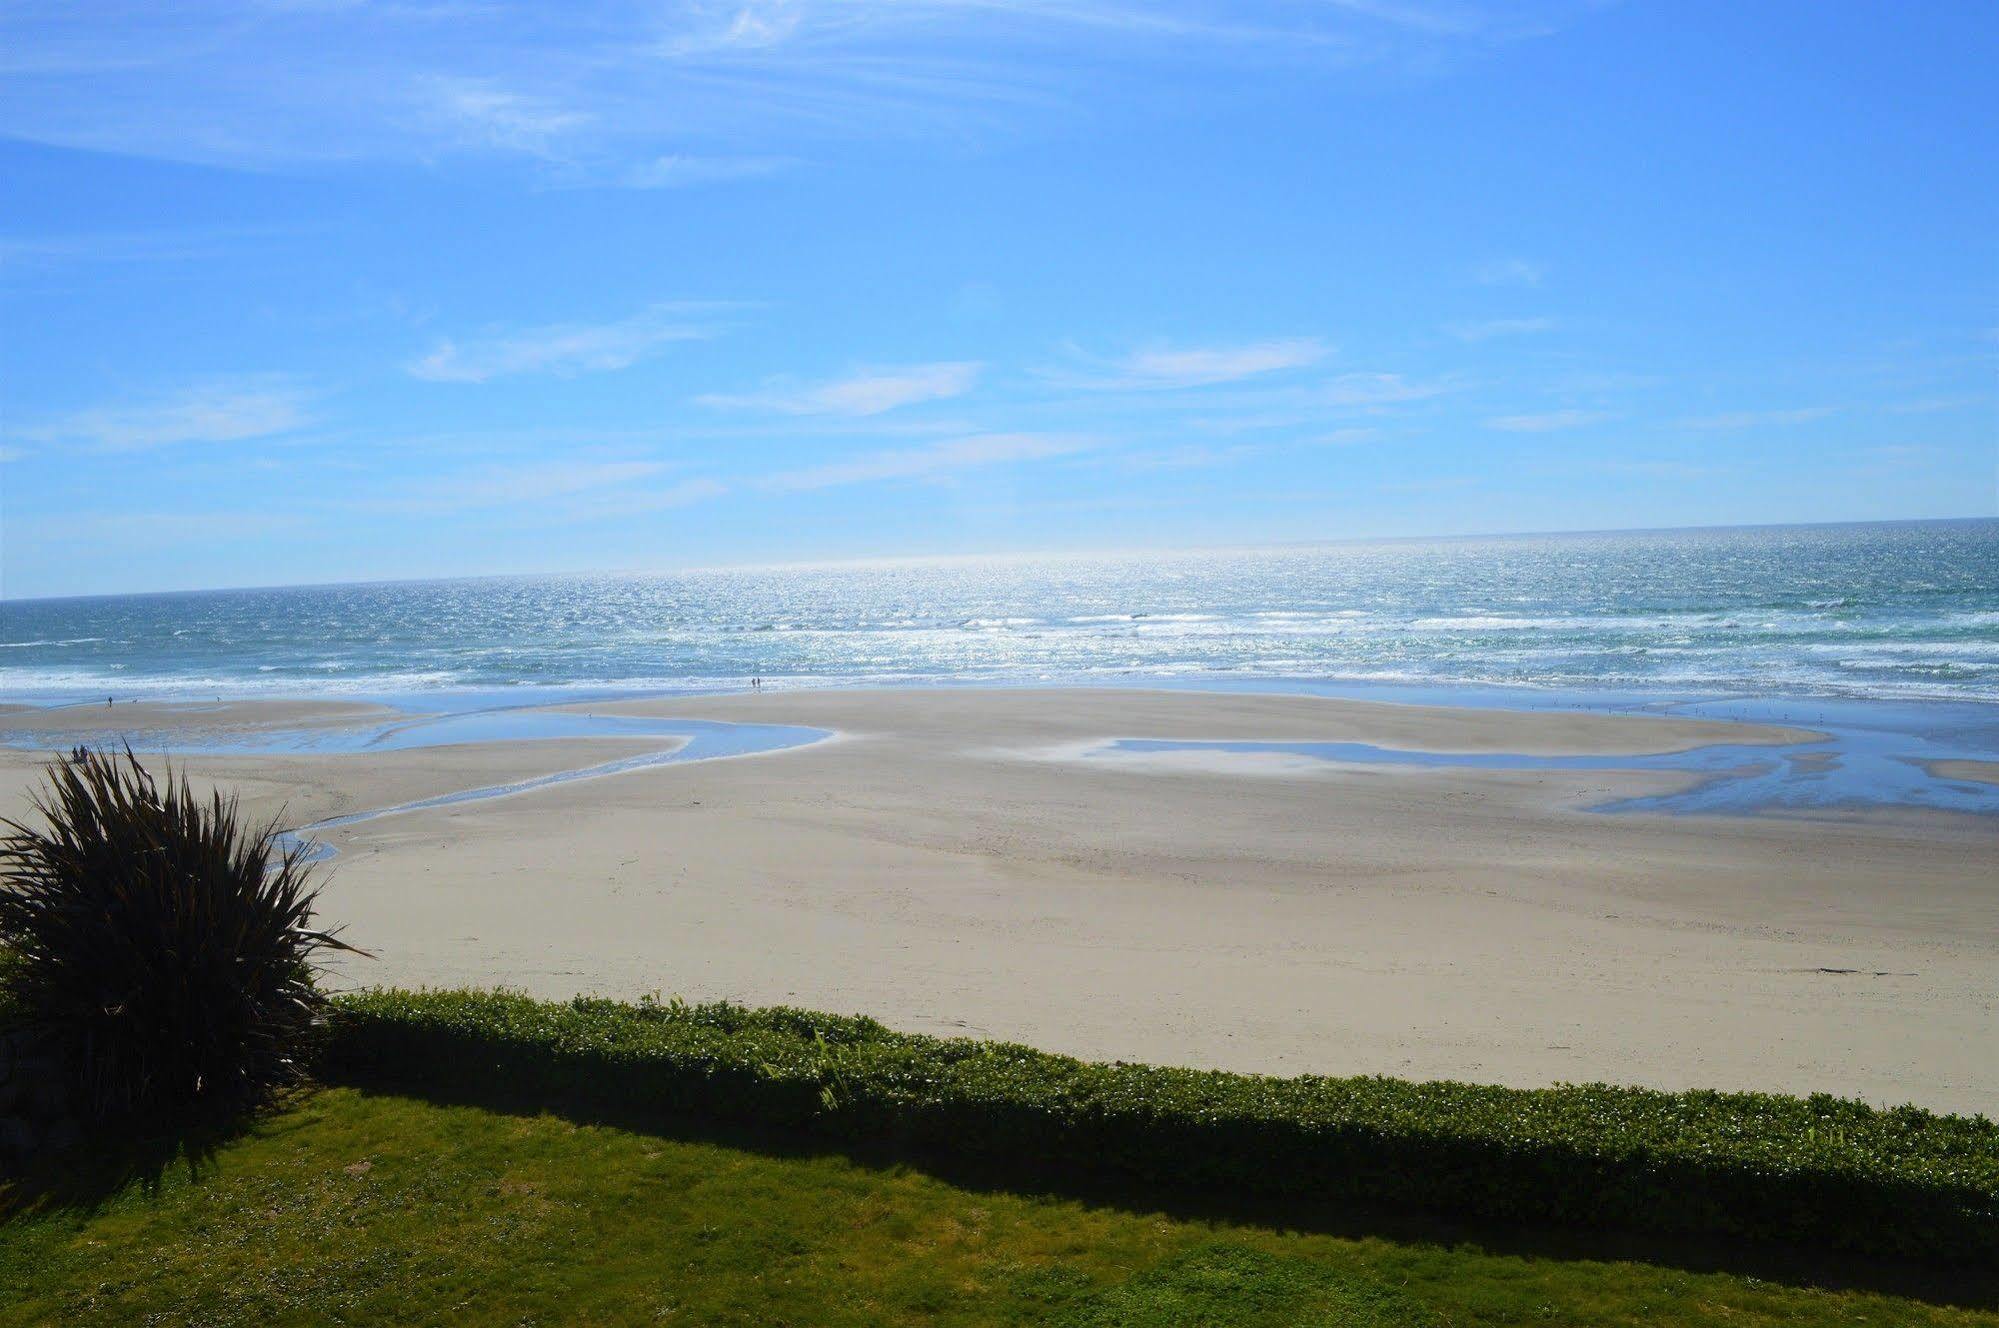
(1908, 609)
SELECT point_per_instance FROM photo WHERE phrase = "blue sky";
(308, 290)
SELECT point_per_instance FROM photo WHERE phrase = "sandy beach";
(947, 863)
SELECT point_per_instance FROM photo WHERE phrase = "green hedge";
(1824, 1172)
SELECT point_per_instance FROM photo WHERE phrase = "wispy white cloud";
(870, 392)
(1177, 368)
(567, 348)
(765, 27)
(1753, 419)
(1936, 405)
(1510, 272)
(1169, 368)
(1377, 389)
(748, 25)
(1547, 421)
(250, 83)
(1499, 327)
(484, 114)
(221, 411)
(680, 170)
(933, 462)
(1348, 437)
(33, 253)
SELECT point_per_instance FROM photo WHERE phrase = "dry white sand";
(936, 866)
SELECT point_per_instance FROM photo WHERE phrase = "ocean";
(1902, 611)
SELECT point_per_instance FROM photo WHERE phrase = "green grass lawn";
(347, 1207)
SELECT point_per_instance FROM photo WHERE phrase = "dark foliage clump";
(160, 954)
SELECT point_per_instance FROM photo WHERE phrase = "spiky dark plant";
(162, 952)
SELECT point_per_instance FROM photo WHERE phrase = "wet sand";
(1982, 772)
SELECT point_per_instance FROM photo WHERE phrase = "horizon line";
(897, 560)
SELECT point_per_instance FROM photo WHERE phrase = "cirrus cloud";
(1549, 421)
(869, 392)
(1499, 327)
(1750, 419)
(568, 349)
(220, 411)
(1163, 368)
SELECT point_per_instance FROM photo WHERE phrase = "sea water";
(1882, 611)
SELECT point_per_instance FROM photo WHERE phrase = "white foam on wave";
(82, 683)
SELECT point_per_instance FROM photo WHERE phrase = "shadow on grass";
(112, 1158)
(1960, 1287)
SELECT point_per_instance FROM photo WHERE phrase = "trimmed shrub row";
(1822, 1172)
